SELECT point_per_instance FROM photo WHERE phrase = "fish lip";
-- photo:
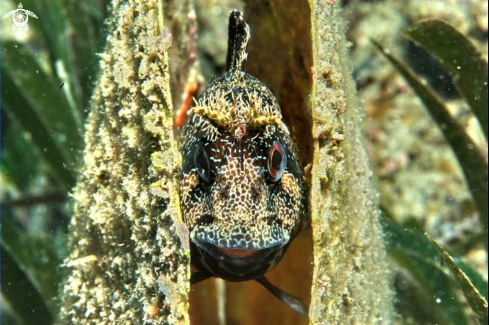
(254, 256)
(238, 248)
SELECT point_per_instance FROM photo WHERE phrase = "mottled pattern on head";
(231, 103)
(231, 130)
(237, 99)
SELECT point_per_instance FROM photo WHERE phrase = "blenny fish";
(241, 184)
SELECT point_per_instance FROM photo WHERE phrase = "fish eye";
(277, 161)
(201, 162)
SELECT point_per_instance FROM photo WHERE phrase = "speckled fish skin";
(240, 219)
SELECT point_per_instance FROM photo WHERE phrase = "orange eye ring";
(277, 161)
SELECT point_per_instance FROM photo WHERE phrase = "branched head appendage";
(237, 98)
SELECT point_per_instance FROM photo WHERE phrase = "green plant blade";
(58, 36)
(461, 57)
(23, 298)
(71, 33)
(474, 298)
(444, 302)
(412, 250)
(416, 254)
(86, 18)
(19, 161)
(471, 161)
(35, 101)
(36, 258)
(417, 245)
(413, 303)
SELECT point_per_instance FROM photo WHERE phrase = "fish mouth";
(241, 252)
(237, 256)
(240, 244)
(237, 253)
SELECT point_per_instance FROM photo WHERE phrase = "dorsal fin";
(239, 34)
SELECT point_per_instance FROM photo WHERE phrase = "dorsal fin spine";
(239, 34)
